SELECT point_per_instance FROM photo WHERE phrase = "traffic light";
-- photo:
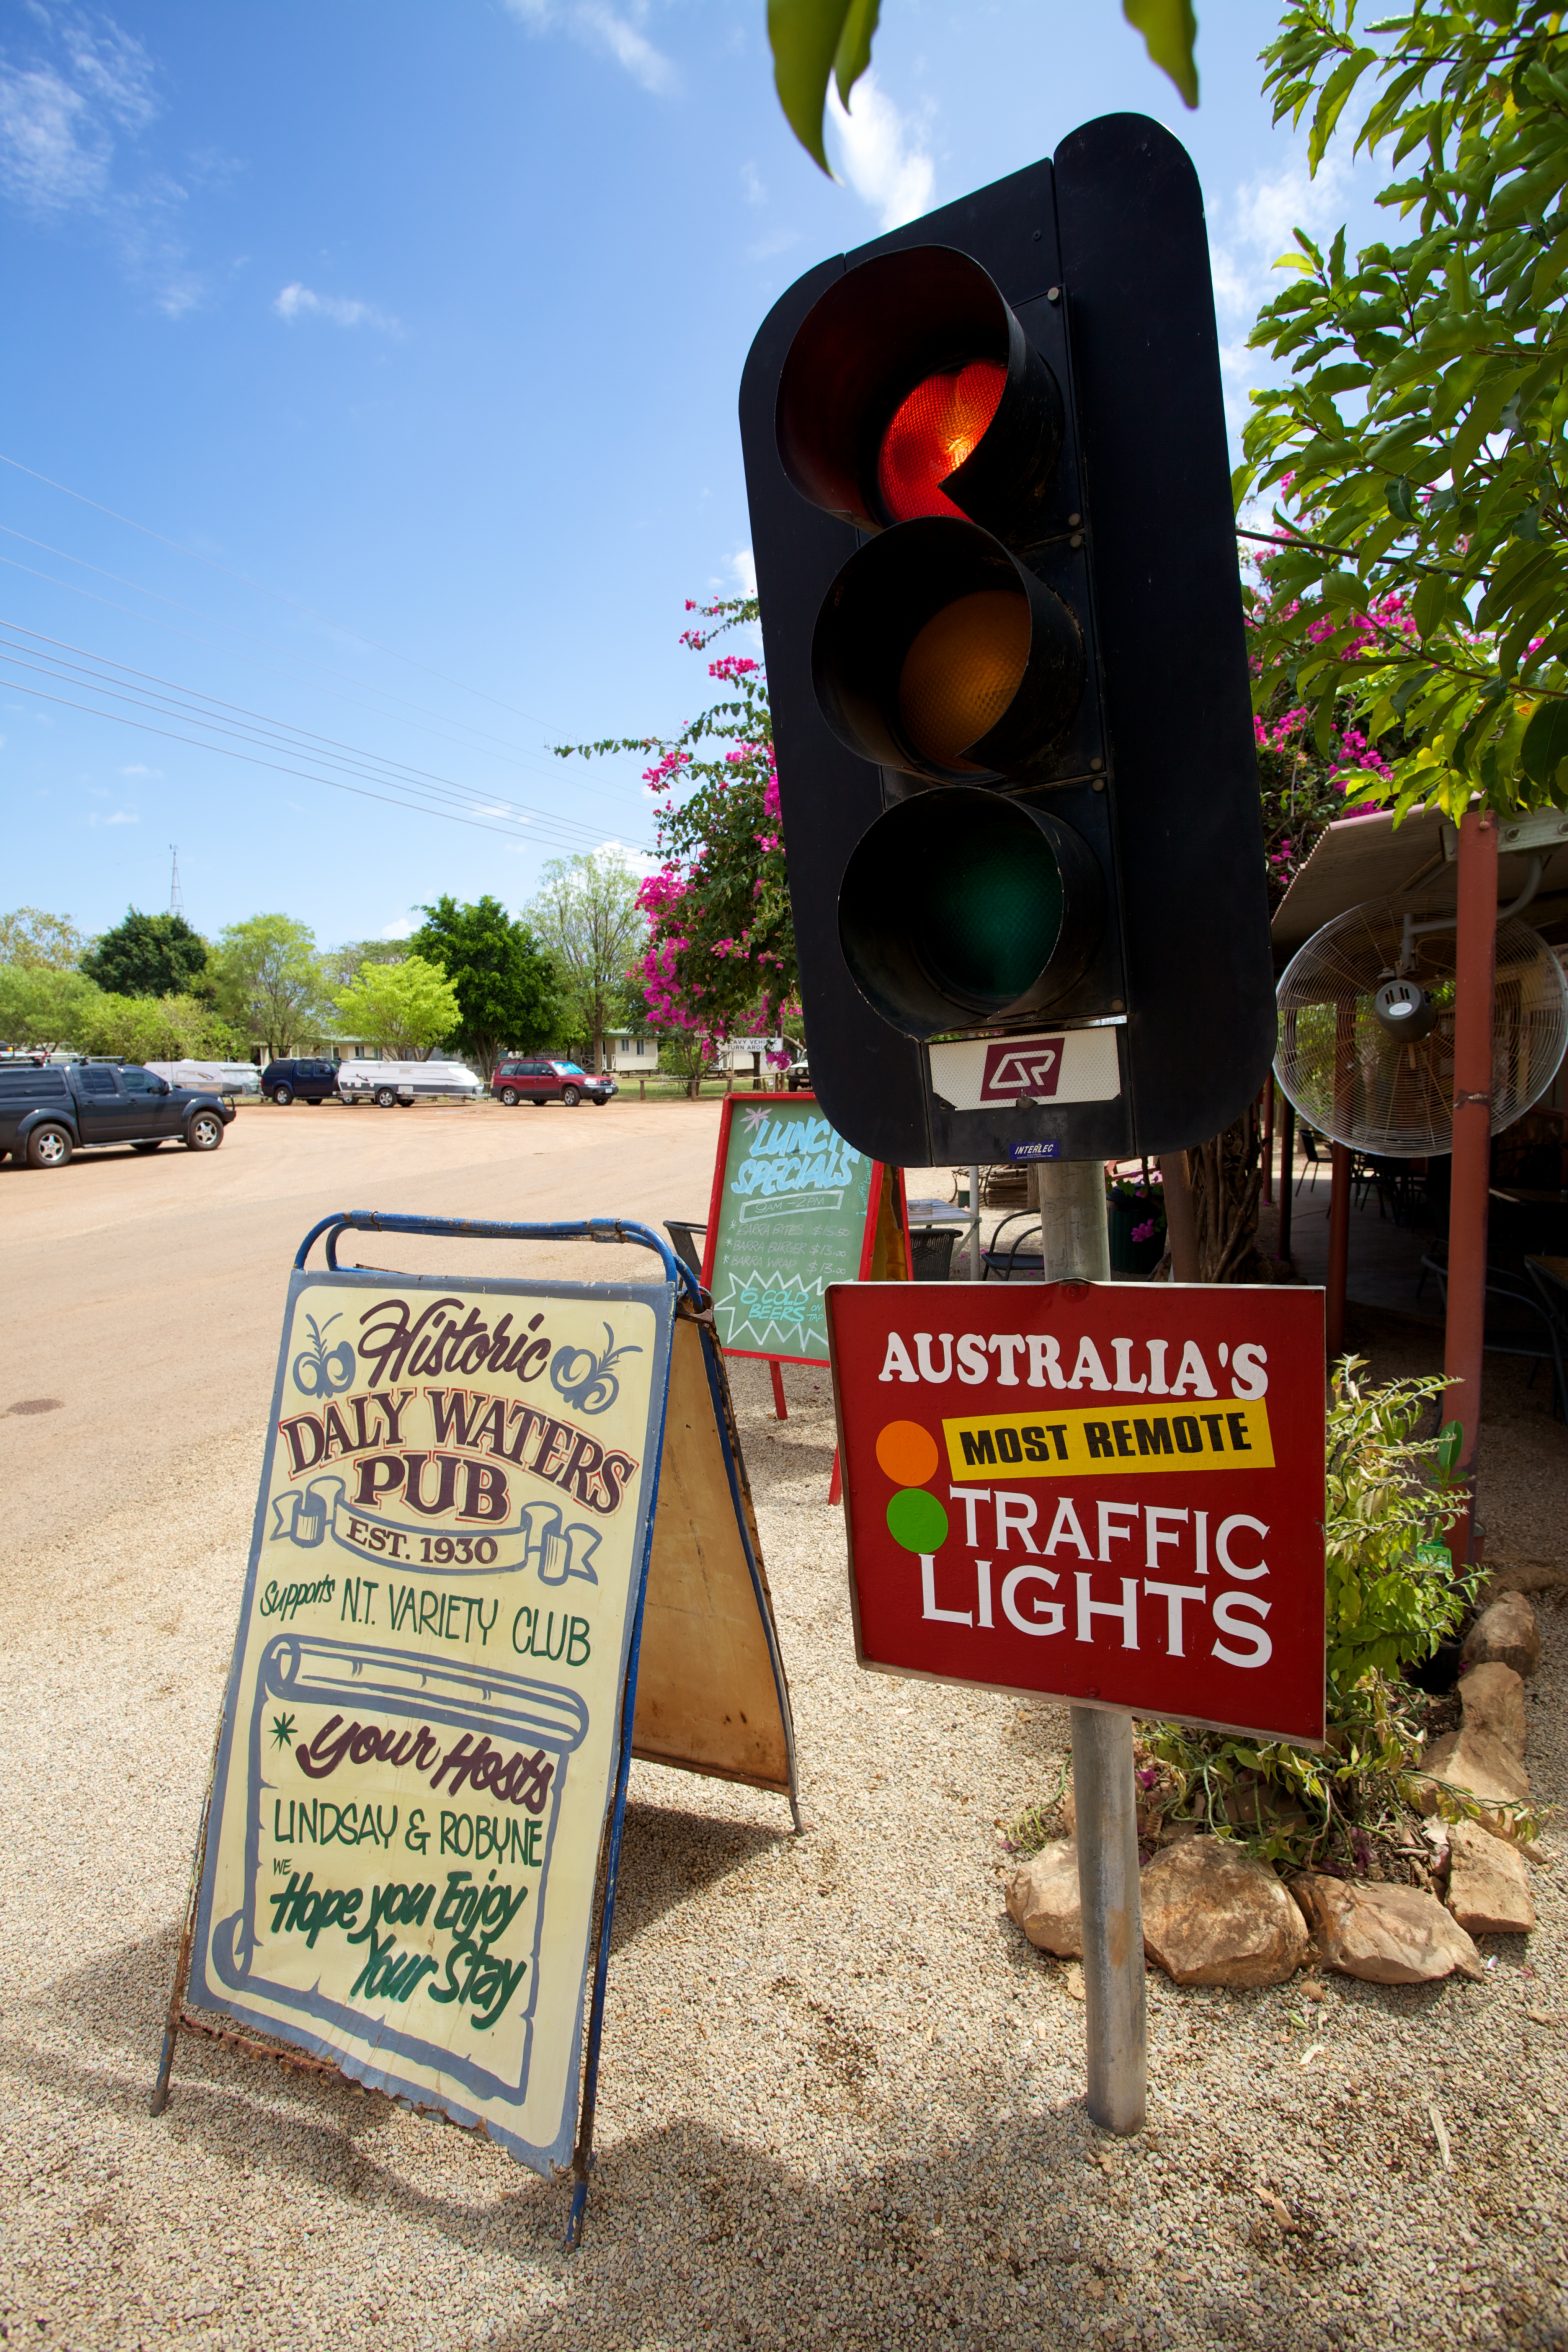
(995, 552)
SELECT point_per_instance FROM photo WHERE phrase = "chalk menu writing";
(791, 1206)
(423, 1714)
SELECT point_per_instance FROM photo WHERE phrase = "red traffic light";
(910, 390)
(934, 429)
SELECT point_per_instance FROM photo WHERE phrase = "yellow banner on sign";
(1110, 1442)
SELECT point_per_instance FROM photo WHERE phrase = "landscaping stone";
(1385, 1934)
(1488, 1883)
(1213, 1915)
(1042, 1896)
(1525, 1576)
(1477, 1762)
(1505, 1634)
(1492, 1697)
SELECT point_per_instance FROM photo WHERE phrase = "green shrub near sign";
(1393, 1599)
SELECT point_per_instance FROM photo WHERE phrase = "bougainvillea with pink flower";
(1309, 774)
(720, 955)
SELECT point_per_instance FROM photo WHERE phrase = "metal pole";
(1268, 1143)
(1470, 1176)
(1075, 1245)
(1287, 1181)
(974, 1224)
(1181, 1219)
(1338, 1247)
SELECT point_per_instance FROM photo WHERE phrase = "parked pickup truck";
(47, 1114)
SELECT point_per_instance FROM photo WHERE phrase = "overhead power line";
(260, 587)
(161, 697)
(428, 721)
(171, 735)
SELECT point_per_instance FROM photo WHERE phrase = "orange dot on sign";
(907, 1453)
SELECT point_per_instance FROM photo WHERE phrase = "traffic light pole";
(1075, 1246)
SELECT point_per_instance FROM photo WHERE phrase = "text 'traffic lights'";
(996, 556)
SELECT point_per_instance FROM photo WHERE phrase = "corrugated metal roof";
(1370, 857)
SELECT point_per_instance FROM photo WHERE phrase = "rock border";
(1215, 1915)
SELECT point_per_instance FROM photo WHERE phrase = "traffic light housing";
(995, 553)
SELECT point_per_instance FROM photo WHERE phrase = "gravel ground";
(840, 2100)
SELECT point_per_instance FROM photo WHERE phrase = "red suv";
(541, 1082)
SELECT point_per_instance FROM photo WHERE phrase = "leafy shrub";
(1392, 1598)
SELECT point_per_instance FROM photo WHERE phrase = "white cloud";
(774, 242)
(496, 808)
(139, 768)
(402, 927)
(71, 114)
(881, 154)
(615, 32)
(60, 116)
(751, 186)
(743, 564)
(114, 817)
(641, 861)
(296, 302)
(1249, 234)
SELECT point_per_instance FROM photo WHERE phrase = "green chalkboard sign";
(794, 1208)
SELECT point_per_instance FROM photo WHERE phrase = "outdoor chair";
(1520, 1320)
(1015, 1262)
(1314, 1158)
(1553, 1293)
(688, 1242)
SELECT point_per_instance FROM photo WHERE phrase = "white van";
(406, 1082)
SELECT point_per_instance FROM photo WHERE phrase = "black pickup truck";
(48, 1112)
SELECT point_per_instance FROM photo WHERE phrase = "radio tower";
(176, 895)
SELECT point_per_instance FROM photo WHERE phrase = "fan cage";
(1352, 1081)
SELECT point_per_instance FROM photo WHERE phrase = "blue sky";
(372, 371)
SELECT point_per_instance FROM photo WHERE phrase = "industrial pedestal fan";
(1366, 1028)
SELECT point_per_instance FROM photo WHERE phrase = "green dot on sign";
(917, 1520)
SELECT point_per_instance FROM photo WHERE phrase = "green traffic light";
(986, 914)
(960, 904)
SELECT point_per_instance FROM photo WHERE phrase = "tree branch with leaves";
(1419, 549)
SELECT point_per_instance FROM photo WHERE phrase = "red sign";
(1107, 1492)
(1021, 1065)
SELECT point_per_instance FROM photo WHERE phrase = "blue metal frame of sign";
(329, 1230)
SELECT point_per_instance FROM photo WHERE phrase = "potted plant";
(1135, 1210)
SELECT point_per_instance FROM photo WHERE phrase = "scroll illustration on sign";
(485, 1505)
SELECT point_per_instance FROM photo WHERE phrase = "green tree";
(404, 1008)
(269, 981)
(342, 965)
(32, 938)
(588, 919)
(685, 1054)
(43, 1005)
(507, 996)
(719, 954)
(148, 955)
(171, 1028)
(818, 41)
(1416, 452)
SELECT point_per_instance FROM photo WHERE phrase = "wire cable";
(287, 735)
(261, 589)
(479, 824)
(423, 717)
